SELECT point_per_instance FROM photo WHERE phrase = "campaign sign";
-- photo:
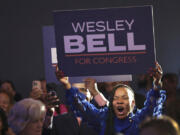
(50, 55)
(50, 60)
(105, 41)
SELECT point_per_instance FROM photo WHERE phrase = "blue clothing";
(128, 126)
(74, 98)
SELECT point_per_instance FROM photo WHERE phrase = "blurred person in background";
(144, 83)
(106, 88)
(172, 105)
(163, 125)
(170, 84)
(8, 86)
(6, 101)
(27, 117)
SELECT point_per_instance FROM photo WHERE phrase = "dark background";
(21, 46)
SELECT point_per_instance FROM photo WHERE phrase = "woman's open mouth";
(120, 110)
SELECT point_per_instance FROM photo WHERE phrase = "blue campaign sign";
(50, 61)
(105, 41)
(50, 55)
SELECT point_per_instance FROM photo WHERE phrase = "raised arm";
(77, 100)
(157, 74)
(61, 78)
(155, 97)
(91, 85)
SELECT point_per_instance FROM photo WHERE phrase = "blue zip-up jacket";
(129, 126)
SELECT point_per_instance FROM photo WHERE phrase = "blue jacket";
(129, 126)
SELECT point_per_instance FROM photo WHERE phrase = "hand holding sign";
(60, 77)
(156, 73)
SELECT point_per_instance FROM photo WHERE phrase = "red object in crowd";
(62, 110)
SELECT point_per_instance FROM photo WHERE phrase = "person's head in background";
(144, 81)
(82, 89)
(163, 125)
(3, 122)
(6, 101)
(170, 83)
(8, 86)
(108, 87)
(27, 117)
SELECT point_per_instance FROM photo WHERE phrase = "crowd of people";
(92, 108)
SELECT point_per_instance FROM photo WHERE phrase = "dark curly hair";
(10, 82)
